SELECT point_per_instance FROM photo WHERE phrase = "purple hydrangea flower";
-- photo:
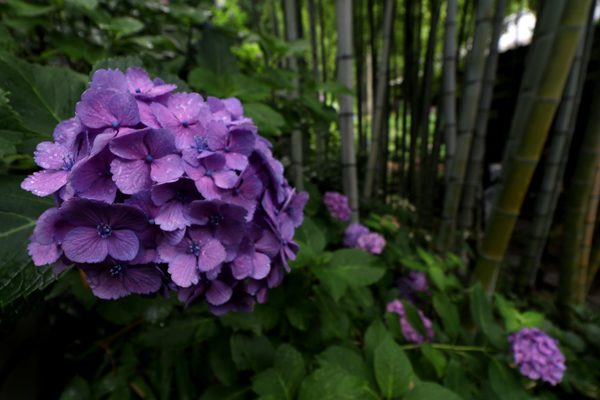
(157, 191)
(337, 204)
(372, 243)
(412, 282)
(353, 232)
(537, 355)
(409, 333)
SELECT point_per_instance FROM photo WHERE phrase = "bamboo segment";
(554, 167)
(577, 205)
(544, 102)
(291, 35)
(344, 60)
(381, 98)
(449, 86)
(466, 124)
(588, 234)
(475, 170)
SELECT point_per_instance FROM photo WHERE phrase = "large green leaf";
(375, 334)
(431, 391)
(392, 369)
(413, 317)
(42, 96)
(334, 383)
(12, 130)
(504, 382)
(19, 211)
(219, 359)
(456, 379)
(251, 353)
(481, 310)
(123, 26)
(120, 63)
(311, 235)
(267, 120)
(283, 380)
(350, 361)
(448, 313)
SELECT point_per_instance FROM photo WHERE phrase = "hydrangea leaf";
(375, 334)
(12, 131)
(431, 391)
(504, 382)
(333, 382)
(251, 353)
(23, 9)
(178, 333)
(127, 309)
(350, 361)
(42, 96)
(120, 63)
(481, 310)
(77, 389)
(283, 380)
(436, 358)
(19, 211)
(413, 317)
(448, 313)
(219, 359)
(268, 121)
(123, 26)
(215, 53)
(219, 392)
(334, 321)
(311, 235)
(392, 369)
(456, 379)
(6, 41)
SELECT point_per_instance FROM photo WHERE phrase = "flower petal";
(84, 245)
(211, 255)
(218, 293)
(166, 169)
(123, 245)
(131, 176)
(143, 279)
(183, 270)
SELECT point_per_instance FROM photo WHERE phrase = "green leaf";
(331, 383)
(413, 318)
(348, 360)
(6, 41)
(456, 379)
(448, 313)
(335, 88)
(431, 391)
(504, 382)
(215, 55)
(392, 369)
(427, 257)
(177, 333)
(12, 130)
(509, 312)
(300, 314)
(23, 9)
(334, 321)
(127, 309)
(122, 26)
(77, 389)
(251, 353)
(42, 96)
(283, 380)
(360, 267)
(219, 359)
(393, 320)
(531, 319)
(311, 235)
(19, 211)
(265, 118)
(436, 275)
(120, 63)
(481, 309)
(83, 4)
(218, 392)
(436, 358)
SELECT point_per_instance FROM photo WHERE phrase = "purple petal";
(241, 140)
(185, 106)
(84, 245)
(45, 226)
(262, 266)
(123, 216)
(131, 176)
(107, 286)
(100, 108)
(123, 245)
(218, 293)
(143, 201)
(160, 142)
(236, 161)
(225, 179)
(166, 169)
(66, 131)
(138, 79)
(212, 254)
(268, 244)
(143, 279)
(183, 270)
(51, 155)
(112, 79)
(242, 266)
(147, 116)
(130, 146)
(83, 212)
(43, 254)
(234, 106)
(45, 182)
(216, 135)
(170, 216)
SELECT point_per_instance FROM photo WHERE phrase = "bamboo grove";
(423, 125)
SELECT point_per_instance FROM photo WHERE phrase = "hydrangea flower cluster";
(359, 237)
(537, 355)
(410, 334)
(337, 204)
(411, 283)
(157, 190)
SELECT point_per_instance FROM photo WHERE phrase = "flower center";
(104, 230)
(181, 196)
(215, 219)
(151, 221)
(236, 191)
(138, 90)
(208, 172)
(227, 149)
(118, 270)
(149, 158)
(184, 123)
(201, 144)
(115, 124)
(276, 212)
(290, 210)
(285, 242)
(107, 172)
(194, 247)
(68, 162)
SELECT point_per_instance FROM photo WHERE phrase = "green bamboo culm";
(466, 124)
(449, 86)
(588, 235)
(524, 159)
(576, 209)
(555, 164)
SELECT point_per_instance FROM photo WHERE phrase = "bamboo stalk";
(466, 124)
(432, 171)
(449, 86)
(555, 164)
(312, 23)
(544, 102)
(380, 101)
(344, 61)
(475, 170)
(291, 32)
(588, 235)
(358, 50)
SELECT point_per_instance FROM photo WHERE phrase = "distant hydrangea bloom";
(157, 191)
(337, 204)
(359, 237)
(410, 334)
(412, 282)
(353, 232)
(537, 355)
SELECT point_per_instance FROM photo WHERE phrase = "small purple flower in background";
(157, 191)
(412, 282)
(353, 232)
(410, 334)
(537, 355)
(372, 243)
(337, 204)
